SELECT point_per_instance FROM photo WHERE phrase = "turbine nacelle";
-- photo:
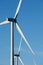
(17, 55)
(12, 20)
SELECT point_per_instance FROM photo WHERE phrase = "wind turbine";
(17, 56)
(12, 21)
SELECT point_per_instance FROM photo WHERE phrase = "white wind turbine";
(17, 56)
(12, 21)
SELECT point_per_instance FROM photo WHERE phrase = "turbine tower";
(12, 21)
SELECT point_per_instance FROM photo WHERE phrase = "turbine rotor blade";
(21, 61)
(5, 22)
(21, 33)
(18, 9)
(20, 45)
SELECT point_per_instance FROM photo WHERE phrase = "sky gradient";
(30, 19)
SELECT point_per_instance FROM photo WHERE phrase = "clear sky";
(30, 19)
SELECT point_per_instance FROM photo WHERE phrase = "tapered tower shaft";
(12, 44)
(16, 60)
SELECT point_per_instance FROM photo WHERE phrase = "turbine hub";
(16, 55)
(12, 20)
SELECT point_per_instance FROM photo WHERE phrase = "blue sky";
(30, 19)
